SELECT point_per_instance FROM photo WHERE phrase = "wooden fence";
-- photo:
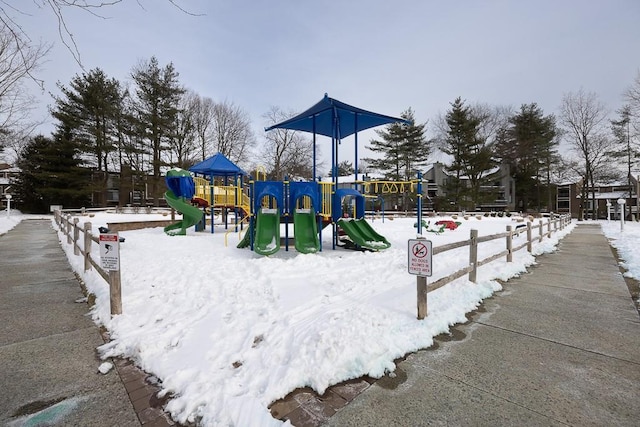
(69, 226)
(535, 232)
(544, 228)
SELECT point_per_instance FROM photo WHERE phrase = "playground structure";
(178, 196)
(309, 206)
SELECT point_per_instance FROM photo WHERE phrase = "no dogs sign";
(420, 257)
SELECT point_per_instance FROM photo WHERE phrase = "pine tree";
(88, 112)
(51, 174)
(404, 149)
(89, 109)
(529, 146)
(156, 108)
(472, 157)
(625, 150)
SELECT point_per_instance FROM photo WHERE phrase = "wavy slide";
(363, 235)
(191, 215)
(267, 239)
(305, 231)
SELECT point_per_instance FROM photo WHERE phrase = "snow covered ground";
(228, 331)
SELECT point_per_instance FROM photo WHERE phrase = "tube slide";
(191, 215)
(267, 239)
(305, 231)
(363, 235)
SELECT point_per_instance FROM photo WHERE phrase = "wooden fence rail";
(70, 228)
(558, 222)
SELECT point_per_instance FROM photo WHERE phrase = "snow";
(228, 331)
(105, 367)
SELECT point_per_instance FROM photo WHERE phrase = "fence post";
(540, 226)
(473, 255)
(549, 228)
(529, 237)
(69, 229)
(76, 234)
(509, 243)
(87, 246)
(115, 292)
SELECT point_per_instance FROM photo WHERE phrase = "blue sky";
(378, 55)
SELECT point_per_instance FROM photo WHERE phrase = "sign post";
(110, 261)
(420, 262)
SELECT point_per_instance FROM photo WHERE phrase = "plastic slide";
(305, 231)
(363, 235)
(245, 242)
(267, 240)
(190, 215)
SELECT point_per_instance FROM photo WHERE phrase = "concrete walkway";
(559, 346)
(48, 362)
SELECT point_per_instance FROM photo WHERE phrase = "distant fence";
(543, 227)
(69, 226)
(551, 225)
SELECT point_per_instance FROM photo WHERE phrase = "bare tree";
(231, 131)
(492, 118)
(10, 8)
(183, 144)
(202, 117)
(285, 151)
(19, 61)
(583, 116)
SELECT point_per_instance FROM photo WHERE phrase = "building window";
(563, 193)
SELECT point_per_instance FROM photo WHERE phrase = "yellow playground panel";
(223, 195)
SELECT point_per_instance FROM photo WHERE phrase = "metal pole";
(419, 216)
(421, 286)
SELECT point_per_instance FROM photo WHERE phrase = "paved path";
(559, 346)
(48, 361)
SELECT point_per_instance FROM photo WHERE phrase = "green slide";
(245, 242)
(363, 235)
(305, 231)
(267, 240)
(190, 215)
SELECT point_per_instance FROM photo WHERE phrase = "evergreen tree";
(156, 109)
(624, 149)
(51, 174)
(404, 149)
(529, 145)
(345, 168)
(472, 157)
(88, 110)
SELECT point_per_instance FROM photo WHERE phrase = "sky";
(286, 321)
(375, 54)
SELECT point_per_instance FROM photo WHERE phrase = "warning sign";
(109, 252)
(420, 257)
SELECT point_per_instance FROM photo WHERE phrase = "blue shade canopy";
(336, 119)
(217, 165)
